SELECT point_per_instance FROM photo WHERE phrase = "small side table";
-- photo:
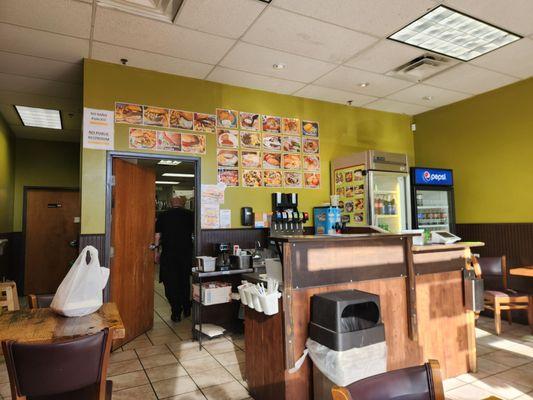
(9, 296)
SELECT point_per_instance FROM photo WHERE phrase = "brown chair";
(40, 300)
(423, 382)
(72, 369)
(497, 296)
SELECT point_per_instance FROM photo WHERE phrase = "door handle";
(153, 246)
(73, 243)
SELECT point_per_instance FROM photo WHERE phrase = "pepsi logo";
(426, 176)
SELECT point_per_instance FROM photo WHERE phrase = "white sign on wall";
(98, 129)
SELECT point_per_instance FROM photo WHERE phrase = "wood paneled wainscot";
(421, 297)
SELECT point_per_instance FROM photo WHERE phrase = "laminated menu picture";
(290, 126)
(227, 158)
(250, 121)
(272, 178)
(191, 143)
(312, 180)
(168, 141)
(210, 216)
(252, 178)
(181, 119)
(271, 160)
(205, 122)
(155, 116)
(292, 179)
(227, 118)
(230, 177)
(310, 128)
(271, 142)
(250, 140)
(292, 161)
(271, 123)
(311, 162)
(251, 159)
(128, 113)
(142, 138)
(228, 138)
(310, 145)
(291, 144)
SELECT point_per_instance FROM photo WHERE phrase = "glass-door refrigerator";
(373, 189)
(432, 199)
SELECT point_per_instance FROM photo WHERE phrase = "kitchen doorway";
(140, 188)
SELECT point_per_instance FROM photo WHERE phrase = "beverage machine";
(286, 219)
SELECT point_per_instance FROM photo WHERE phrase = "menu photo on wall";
(349, 185)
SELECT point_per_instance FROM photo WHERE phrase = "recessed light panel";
(39, 117)
(169, 162)
(454, 34)
(166, 183)
(178, 175)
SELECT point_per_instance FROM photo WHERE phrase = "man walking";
(174, 229)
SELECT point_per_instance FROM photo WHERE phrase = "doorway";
(140, 187)
(51, 226)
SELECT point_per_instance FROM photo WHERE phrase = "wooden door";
(132, 232)
(51, 224)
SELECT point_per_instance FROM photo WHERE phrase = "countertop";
(333, 238)
(440, 247)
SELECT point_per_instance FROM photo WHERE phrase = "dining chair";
(423, 382)
(71, 369)
(8, 296)
(40, 300)
(498, 297)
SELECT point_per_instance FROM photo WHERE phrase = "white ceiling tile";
(514, 59)
(296, 34)
(17, 83)
(42, 44)
(345, 78)
(377, 17)
(59, 16)
(36, 100)
(333, 95)
(40, 67)
(396, 107)
(260, 60)
(385, 56)
(155, 62)
(467, 78)
(228, 18)
(118, 28)
(245, 79)
(63, 135)
(439, 97)
(513, 15)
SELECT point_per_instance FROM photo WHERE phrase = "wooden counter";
(421, 296)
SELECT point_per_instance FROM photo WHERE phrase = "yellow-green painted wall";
(343, 130)
(7, 167)
(488, 142)
(43, 163)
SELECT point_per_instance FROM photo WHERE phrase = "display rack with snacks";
(349, 185)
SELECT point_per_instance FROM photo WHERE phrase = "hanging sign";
(98, 129)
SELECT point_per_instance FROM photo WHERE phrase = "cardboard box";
(212, 293)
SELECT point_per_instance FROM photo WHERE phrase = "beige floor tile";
(165, 339)
(152, 351)
(161, 330)
(505, 357)
(129, 380)
(165, 372)
(158, 360)
(4, 377)
(197, 395)
(200, 364)
(174, 386)
(227, 391)
(519, 375)
(212, 377)
(189, 353)
(138, 344)
(137, 393)
(490, 367)
(220, 347)
(468, 392)
(501, 388)
(233, 357)
(238, 370)
(483, 350)
(525, 397)
(123, 367)
(117, 356)
(5, 390)
(452, 383)
(472, 377)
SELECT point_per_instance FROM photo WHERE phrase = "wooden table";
(522, 271)
(43, 325)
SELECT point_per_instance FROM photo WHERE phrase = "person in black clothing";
(174, 229)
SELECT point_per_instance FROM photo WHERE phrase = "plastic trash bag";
(80, 292)
(345, 367)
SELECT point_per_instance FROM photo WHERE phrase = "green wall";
(43, 163)
(7, 166)
(488, 142)
(343, 130)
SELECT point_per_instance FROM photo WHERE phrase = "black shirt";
(176, 226)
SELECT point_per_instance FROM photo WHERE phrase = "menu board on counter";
(256, 150)
(349, 185)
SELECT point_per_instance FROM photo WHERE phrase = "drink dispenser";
(286, 219)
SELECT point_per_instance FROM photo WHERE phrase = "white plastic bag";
(80, 293)
(345, 367)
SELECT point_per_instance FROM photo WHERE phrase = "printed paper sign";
(98, 129)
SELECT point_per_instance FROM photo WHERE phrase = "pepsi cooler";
(432, 199)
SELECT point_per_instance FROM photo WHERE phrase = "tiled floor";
(166, 364)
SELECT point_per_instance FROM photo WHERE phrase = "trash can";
(346, 339)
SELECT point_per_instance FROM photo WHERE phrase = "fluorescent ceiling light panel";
(39, 117)
(178, 175)
(166, 183)
(453, 34)
(169, 162)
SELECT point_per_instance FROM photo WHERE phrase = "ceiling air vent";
(421, 68)
(163, 10)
